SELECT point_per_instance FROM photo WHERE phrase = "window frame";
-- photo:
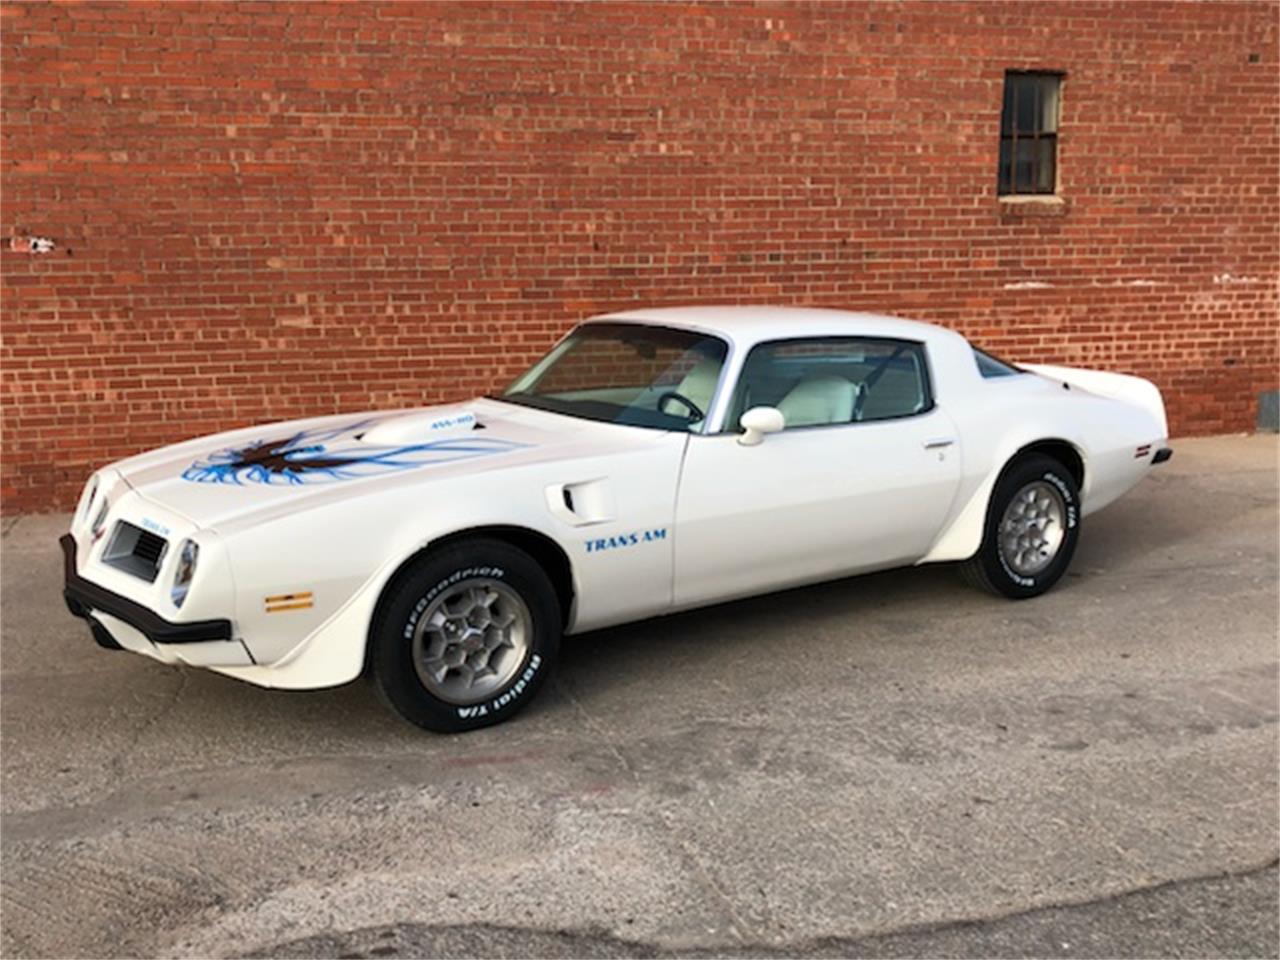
(926, 373)
(1013, 138)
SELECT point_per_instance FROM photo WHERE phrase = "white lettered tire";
(1033, 525)
(465, 636)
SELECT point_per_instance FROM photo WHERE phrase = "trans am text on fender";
(446, 550)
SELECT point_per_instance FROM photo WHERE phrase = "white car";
(653, 461)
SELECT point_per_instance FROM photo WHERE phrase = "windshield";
(626, 373)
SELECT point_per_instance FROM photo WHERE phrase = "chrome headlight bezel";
(99, 524)
(185, 572)
(90, 494)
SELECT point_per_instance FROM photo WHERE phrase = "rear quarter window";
(992, 367)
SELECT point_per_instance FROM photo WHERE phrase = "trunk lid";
(1117, 386)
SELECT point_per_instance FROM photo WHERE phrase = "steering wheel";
(680, 398)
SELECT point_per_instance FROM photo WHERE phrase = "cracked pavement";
(832, 770)
(1178, 919)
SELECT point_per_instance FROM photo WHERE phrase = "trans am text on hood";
(653, 461)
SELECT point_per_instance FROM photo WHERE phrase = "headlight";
(186, 571)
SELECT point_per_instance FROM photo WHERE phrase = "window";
(991, 367)
(1029, 133)
(833, 380)
(626, 373)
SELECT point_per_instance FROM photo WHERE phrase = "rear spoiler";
(1118, 386)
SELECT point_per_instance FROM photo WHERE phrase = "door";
(862, 477)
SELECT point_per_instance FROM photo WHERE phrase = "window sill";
(1032, 205)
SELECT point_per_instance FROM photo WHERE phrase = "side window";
(832, 380)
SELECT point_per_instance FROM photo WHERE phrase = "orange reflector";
(289, 601)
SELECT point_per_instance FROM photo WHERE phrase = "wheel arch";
(963, 536)
(545, 551)
(1064, 451)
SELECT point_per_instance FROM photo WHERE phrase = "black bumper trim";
(1163, 454)
(84, 597)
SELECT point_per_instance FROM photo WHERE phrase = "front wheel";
(466, 636)
(1033, 524)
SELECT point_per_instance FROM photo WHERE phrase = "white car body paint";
(655, 521)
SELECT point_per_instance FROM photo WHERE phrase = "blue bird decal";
(330, 454)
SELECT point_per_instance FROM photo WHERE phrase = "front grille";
(135, 551)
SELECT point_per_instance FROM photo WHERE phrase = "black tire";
(411, 593)
(988, 569)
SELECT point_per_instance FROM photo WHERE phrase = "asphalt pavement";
(893, 765)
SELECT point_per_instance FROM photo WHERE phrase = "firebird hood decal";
(332, 454)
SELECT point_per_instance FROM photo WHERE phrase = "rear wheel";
(1033, 524)
(466, 636)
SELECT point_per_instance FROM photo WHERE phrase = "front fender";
(309, 582)
(329, 656)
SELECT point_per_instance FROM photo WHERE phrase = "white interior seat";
(819, 400)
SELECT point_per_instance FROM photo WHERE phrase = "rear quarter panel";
(1000, 416)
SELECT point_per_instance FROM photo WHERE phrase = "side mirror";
(758, 421)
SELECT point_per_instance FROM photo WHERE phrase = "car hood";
(227, 477)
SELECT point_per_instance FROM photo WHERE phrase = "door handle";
(938, 443)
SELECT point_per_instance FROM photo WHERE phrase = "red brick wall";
(266, 211)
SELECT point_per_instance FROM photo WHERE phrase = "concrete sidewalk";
(845, 761)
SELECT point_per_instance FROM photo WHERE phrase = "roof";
(750, 324)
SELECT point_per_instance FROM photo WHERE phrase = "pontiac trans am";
(444, 551)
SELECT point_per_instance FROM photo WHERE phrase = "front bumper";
(84, 598)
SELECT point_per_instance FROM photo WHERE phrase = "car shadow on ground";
(701, 637)
(743, 622)
(1114, 541)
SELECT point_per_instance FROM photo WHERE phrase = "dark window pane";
(1048, 119)
(1044, 164)
(1022, 165)
(1006, 166)
(1027, 96)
